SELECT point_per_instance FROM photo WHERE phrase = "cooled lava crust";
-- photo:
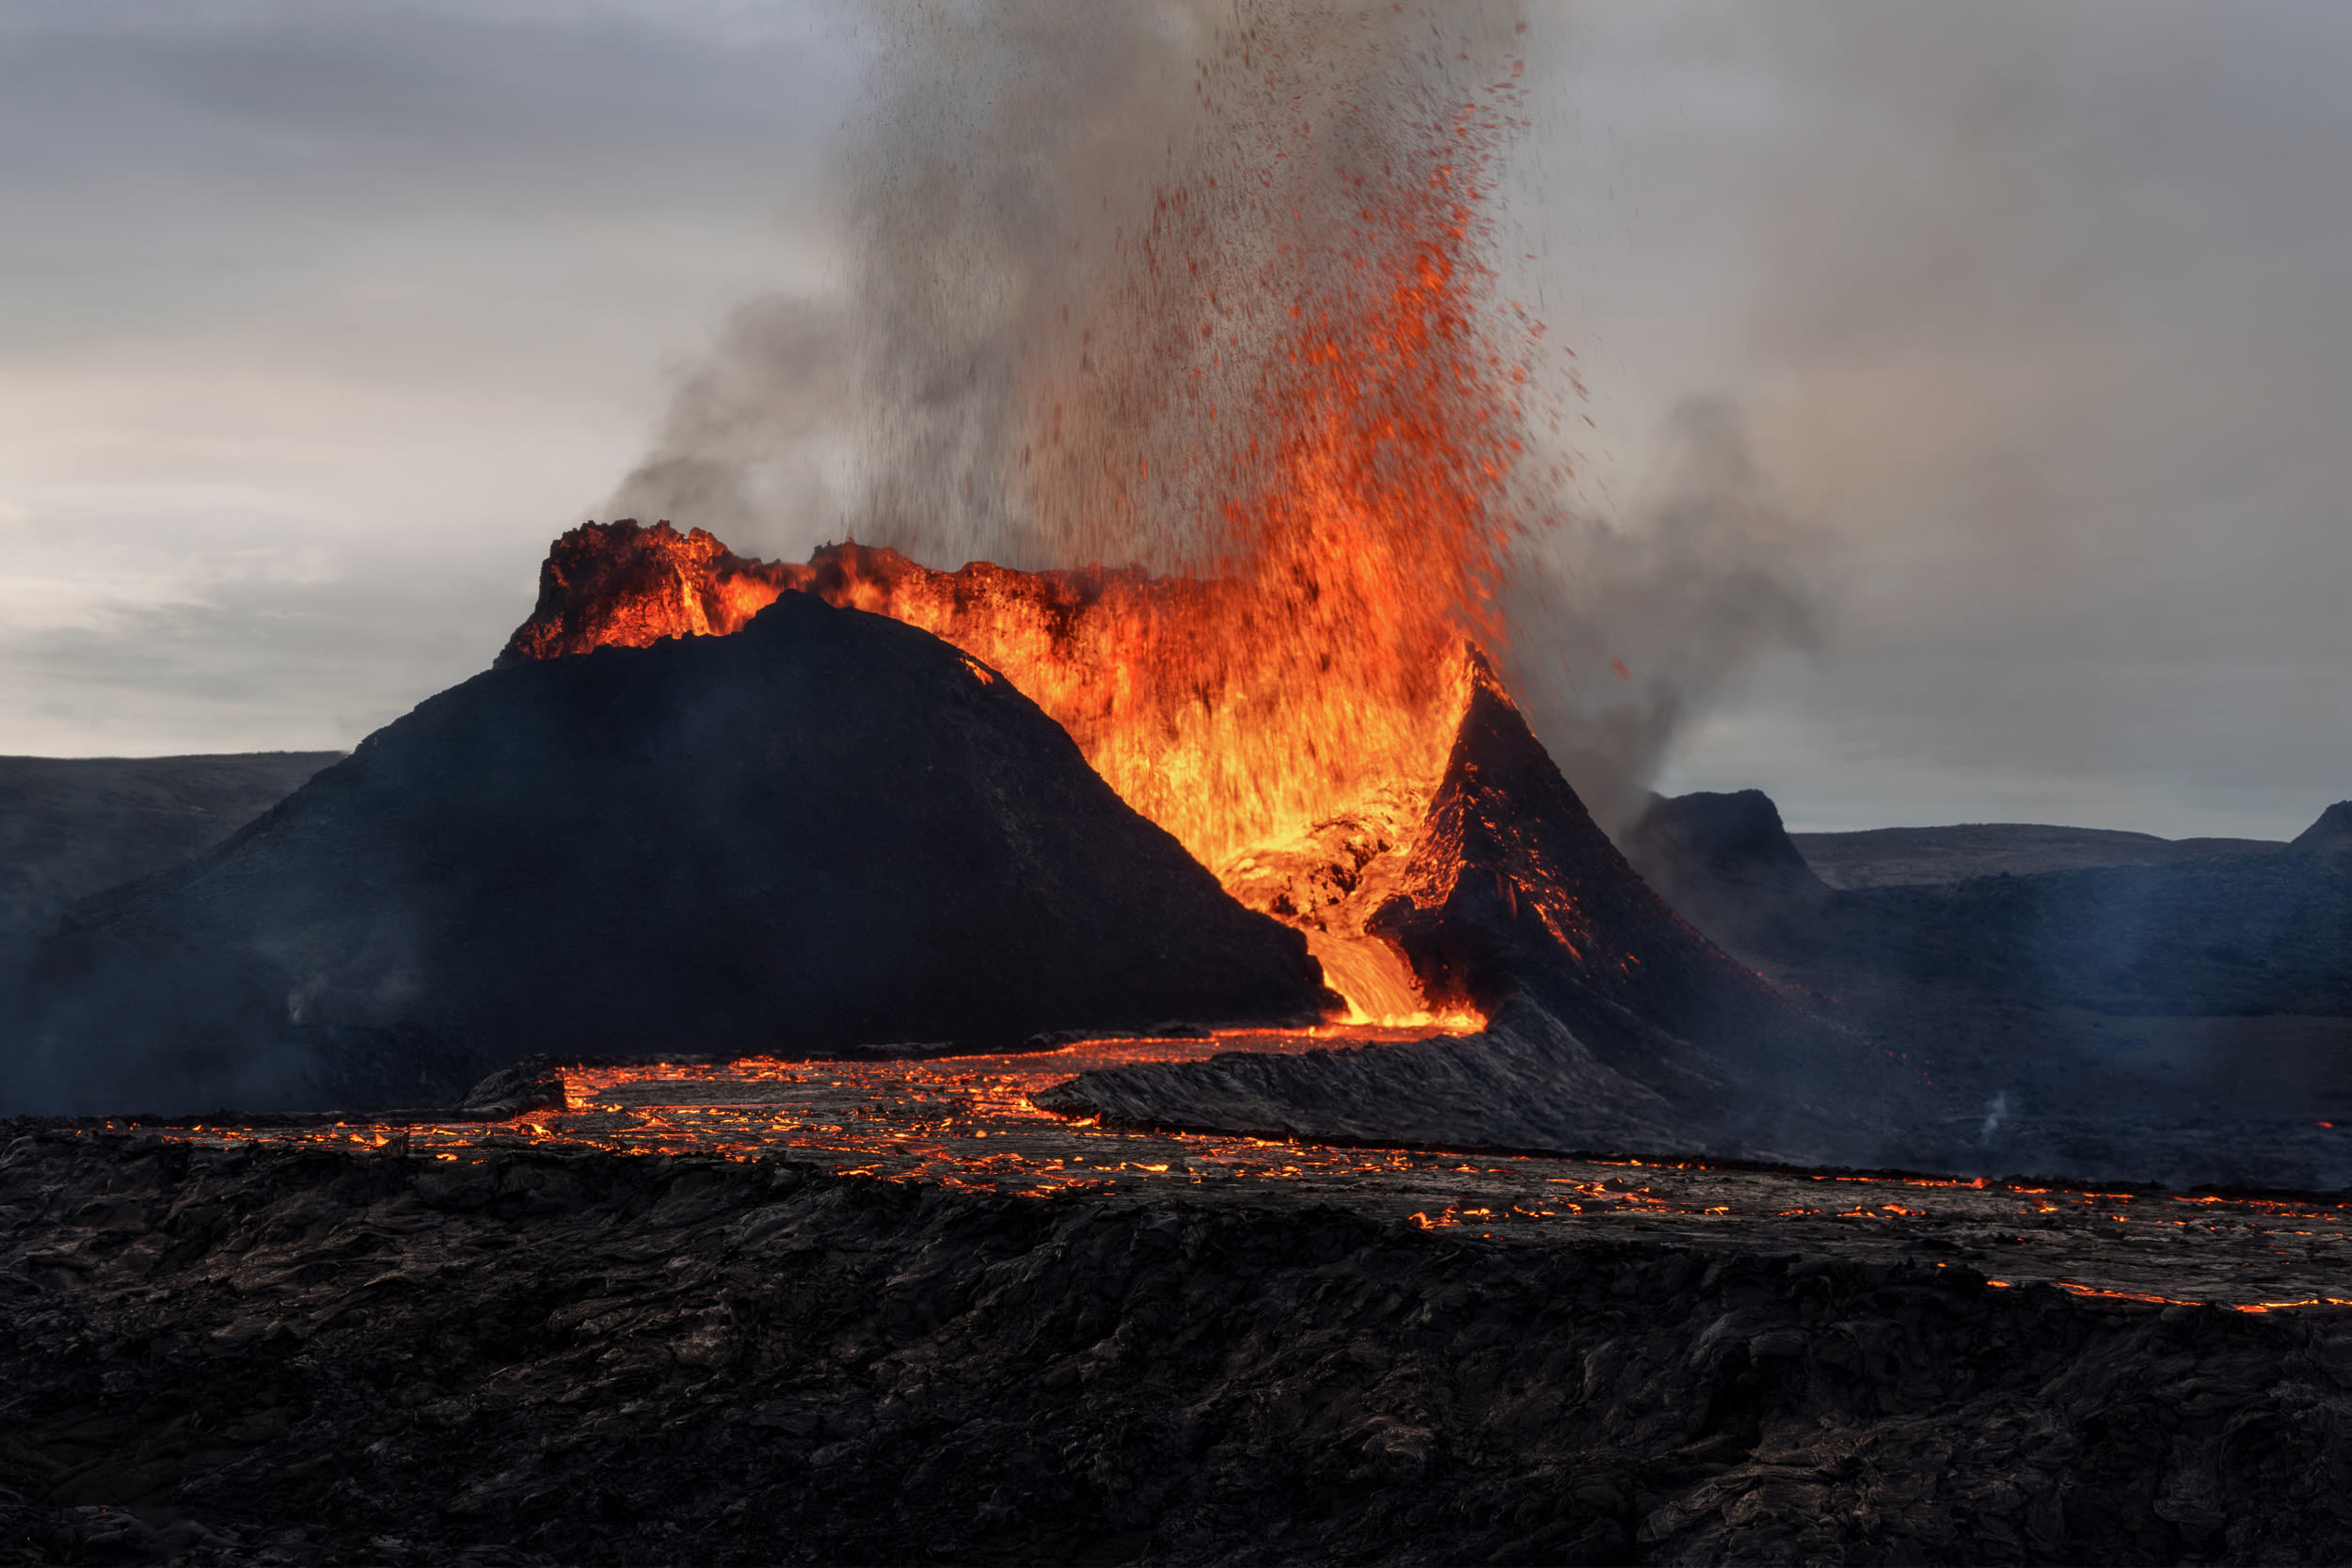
(533, 1356)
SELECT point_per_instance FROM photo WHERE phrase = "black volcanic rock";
(540, 1355)
(829, 829)
(1724, 861)
(2331, 834)
(1517, 891)
(1613, 1024)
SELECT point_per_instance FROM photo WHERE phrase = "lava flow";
(1350, 420)
(968, 1123)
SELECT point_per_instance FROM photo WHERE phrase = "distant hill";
(2035, 916)
(1910, 857)
(2097, 1002)
(1725, 863)
(71, 826)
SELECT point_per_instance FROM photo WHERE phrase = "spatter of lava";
(1350, 418)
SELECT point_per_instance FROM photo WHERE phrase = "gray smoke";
(1009, 162)
(1626, 633)
(755, 427)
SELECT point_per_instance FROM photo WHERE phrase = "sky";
(2002, 348)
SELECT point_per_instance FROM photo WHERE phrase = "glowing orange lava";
(971, 1123)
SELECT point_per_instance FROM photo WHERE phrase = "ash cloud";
(994, 188)
(2068, 499)
(752, 434)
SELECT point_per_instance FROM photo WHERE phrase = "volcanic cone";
(832, 830)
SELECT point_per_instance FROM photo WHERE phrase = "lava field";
(503, 1343)
(972, 1124)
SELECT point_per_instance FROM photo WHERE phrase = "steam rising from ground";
(1081, 239)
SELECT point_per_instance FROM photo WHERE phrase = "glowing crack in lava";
(1348, 422)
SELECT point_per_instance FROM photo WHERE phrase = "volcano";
(1291, 749)
(830, 831)
(1480, 891)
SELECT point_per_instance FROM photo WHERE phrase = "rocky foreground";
(297, 1355)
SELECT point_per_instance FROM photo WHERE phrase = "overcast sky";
(317, 320)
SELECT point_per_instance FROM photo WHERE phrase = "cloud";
(316, 324)
(2030, 311)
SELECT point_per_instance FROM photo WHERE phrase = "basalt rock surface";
(830, 830)
(293, 1357)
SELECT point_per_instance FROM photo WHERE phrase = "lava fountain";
(1342, 419)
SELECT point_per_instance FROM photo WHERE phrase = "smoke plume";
(1624, 634)
(753, 428)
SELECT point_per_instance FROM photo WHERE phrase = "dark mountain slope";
(1890, 857)
(2244, 933)
(2239, 935)
(2331, 835)
(71, 826)
(1724, 861)
(2183, 1022)
(829, 829)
